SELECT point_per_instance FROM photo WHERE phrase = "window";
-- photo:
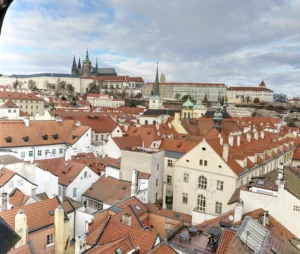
(156, 181)
(9, 111)
(64, 191)
(31, 107)
(169, 179)
(46, 151)
(242, 183)
(50, 240)
(296, 208)
(60, 150)
(184, 198)
(186, 177)
(90, 203)
(74, 192)
(37, 107)
(39, 152)
(201, 203)
(205, 163)
(22, 154)
(218, 207)
(202, 182)
(59, 191)
(101, 137)
(96, 137)
(30, 153)
(20, 182)
(220, 185)
(85, 174)
(170, 163)
(54, 151)
(201, 162)
(15, 111)
(156, 196)
(157, 166)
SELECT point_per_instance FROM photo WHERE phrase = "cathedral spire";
(74, 61)
(96, 69)
(79, 64)
(87, 55)
(156, 84)
(74, 67)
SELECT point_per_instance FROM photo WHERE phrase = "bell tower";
(86, 65)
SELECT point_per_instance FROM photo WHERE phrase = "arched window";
(201, 203)
(85, 174)
(202, 182)
(154, 122)
(184, 114)
(189, 115)
(146, 122)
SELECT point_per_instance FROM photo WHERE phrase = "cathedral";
(86, 69)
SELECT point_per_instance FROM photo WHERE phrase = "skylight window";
(26, 139)
(118, 251)
(45, 137)
(137, 207)
(260, 182)
(55, 136)
(8, 139)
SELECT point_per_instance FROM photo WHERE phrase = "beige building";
(243, 94)
(207, 175)
(26, 102)
(172, 90)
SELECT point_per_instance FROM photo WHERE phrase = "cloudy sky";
(235, 42)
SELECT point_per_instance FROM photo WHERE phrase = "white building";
(104, 100)
(9, 110)
(243, 94)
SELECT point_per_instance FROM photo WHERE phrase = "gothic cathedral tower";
(86, 65)
(155, 102)
(74, 68)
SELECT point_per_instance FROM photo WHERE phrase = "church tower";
(74, 67)
(86, 65)
(155, 102)
(218, 117)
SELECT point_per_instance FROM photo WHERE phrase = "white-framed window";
(169, 179)
(201, 203)
(74, 192)
(186, 177)
(205, 163)
(64, 191)
(20, 182)
(50, 240)
(53, 151)
(184, 198)
(22, 154)
(202, 182)
(170, 163)
(30, 153)
(61, 151)
(220, 185)
(46, 151)
(39, 152)
(296, 208)
(218, 207)
(96, 137)
(85, 174)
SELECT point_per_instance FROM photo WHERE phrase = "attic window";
(137, 207)
(8, 139)
(51, 212)
(55, 136)
(74, 136)
(118, 251)
(220, 166)
(262, 183)
(177, 215)
(118, 161)
(203, 148)
(45, 137)
(26, 139)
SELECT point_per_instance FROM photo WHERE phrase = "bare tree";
(31, 84)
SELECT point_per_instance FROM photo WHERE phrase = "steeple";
(87, 56)
(79, 64)
(74, 61)
(96, 69)
(218, 117)
(74, 67)
(156, 84)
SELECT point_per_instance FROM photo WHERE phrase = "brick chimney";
(262, 134)
(238, 140)
(248, 137)
(256, 135)
(21, 228)
(80, 244)
(231, 139)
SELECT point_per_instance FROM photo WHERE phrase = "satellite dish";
(277, 182)
(231, 218)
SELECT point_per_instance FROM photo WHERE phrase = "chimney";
(26, 121)
(238, 140)
(77, 123)
(126, 127)
(280, 172)
(231, 139)
(225, 152)
(248, 137)
(134, 183)
(221, 140)
(126, 219)
(80, 244)
(265, 218)
(157, 125)
(58, 119)
(238, 211)
(3, 201)
(262, 134)
(256, 135)
(59, 230)
(21, 228)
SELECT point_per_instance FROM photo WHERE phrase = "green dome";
(188, 104)
(218, 114)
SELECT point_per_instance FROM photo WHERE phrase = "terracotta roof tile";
(124, 244)
(19, 96)
(134, 219)
(26, 249)
(225, 242)
(124, 142)
(163, 248)
(189, 84)
(17, 198)
(109, 190)
(38, 215)
(9, 104)
(5, 176)
(174, 145)
(137, 205)
(248, 88)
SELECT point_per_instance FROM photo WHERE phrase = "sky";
(235, 42)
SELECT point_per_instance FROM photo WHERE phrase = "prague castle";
(86, 69)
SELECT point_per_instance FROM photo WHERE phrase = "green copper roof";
(188, 104)
(156, 85)
(218, 114)
(199, 105)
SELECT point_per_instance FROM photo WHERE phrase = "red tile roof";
(124, 244)
(5, 176)
(176, 145)
(125, 142)
(190, 84)
(9, 104)
(19, 96)
(26, 249)
(163, 248)
(225, 242)
(17, 198)
(249, 88)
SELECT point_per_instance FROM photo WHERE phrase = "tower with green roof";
(218, 117)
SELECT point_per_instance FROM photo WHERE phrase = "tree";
(61, 86)
(93, 87)
(177, 96)
(185, 98)
(17, 84)
(247, 99)
(138, 95)
(256, 100)
(31, 84)
(280, 97)
(70, 88)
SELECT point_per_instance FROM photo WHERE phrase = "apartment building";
(207, 175)
(245, 94)
(27, 102)
(104, 100)
(38, 140)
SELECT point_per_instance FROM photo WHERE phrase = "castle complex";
(88, 70)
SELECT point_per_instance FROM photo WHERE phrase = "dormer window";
(8, 139)
(74, 136)
(45, 137)
(55, 136)
(26, 139)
